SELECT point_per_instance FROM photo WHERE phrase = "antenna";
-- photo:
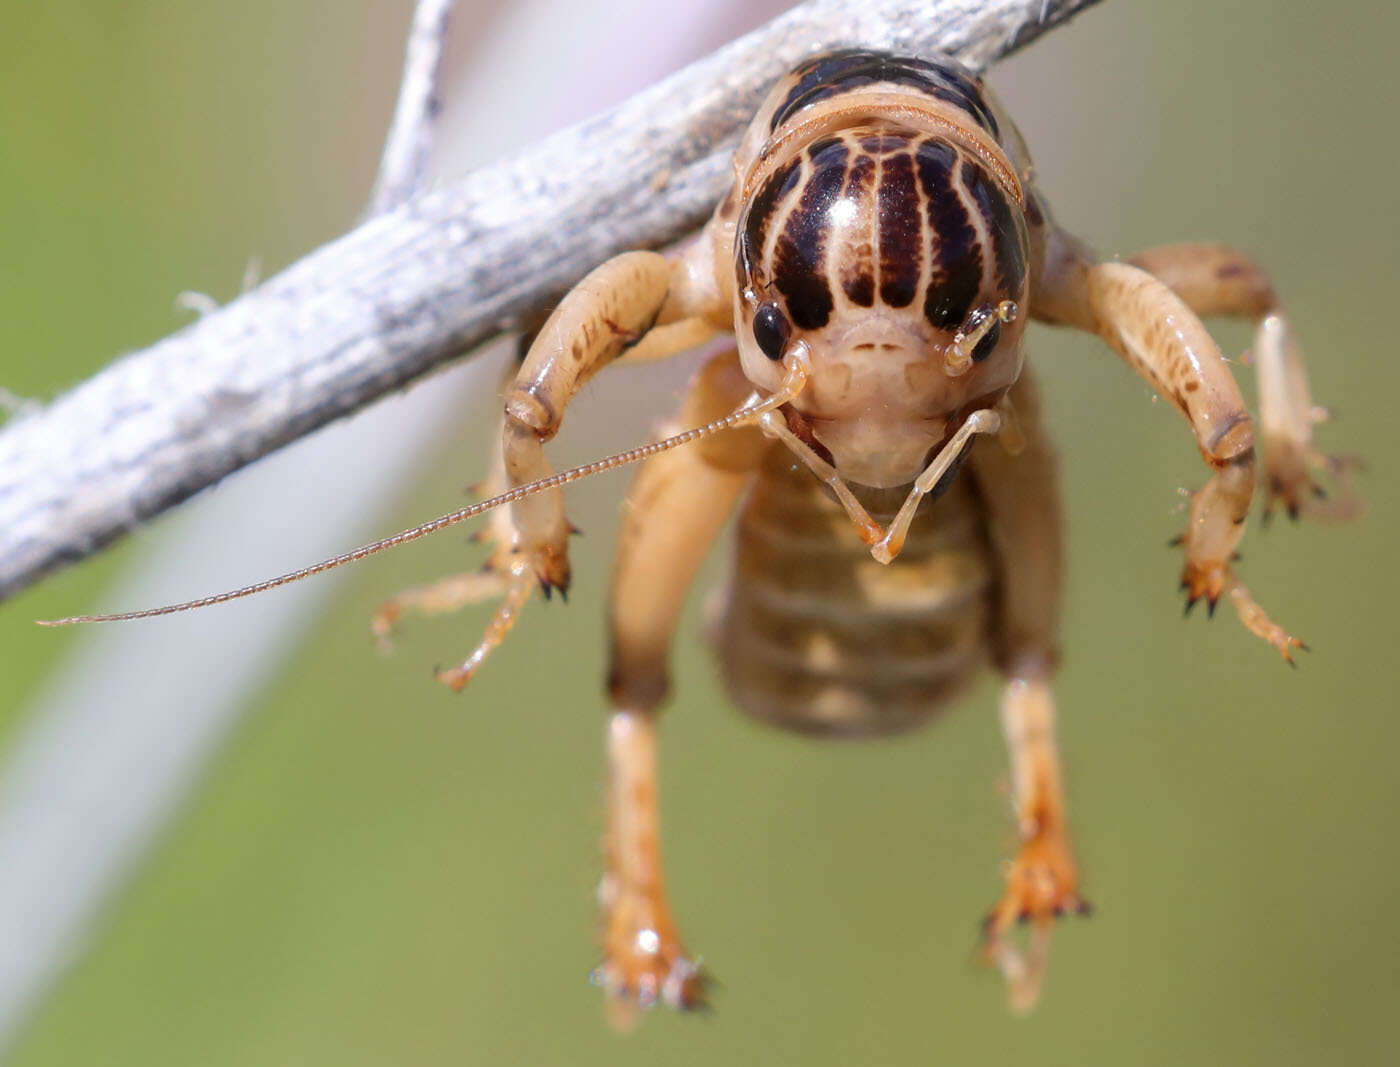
(751, 410)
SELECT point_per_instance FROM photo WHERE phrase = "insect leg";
(1042, 882)
(1213, 279)
(442, 597)
(1160, 337)
(506, 577)
(676, 507)
(509, 574)
(618, 305)
(1021, 493)
(1023, 509)
(1217, 280)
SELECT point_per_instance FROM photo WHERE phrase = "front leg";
(1160, 337)
(506, 577)
(1217, 280)
(638, 299)
(637, 305)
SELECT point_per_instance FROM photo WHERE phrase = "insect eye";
(984, 347)
(770, 330)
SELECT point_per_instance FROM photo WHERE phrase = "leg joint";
(528, 409)
(1232, 444)
(1019, 656)
(638, 690)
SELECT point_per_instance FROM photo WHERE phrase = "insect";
(877, 258)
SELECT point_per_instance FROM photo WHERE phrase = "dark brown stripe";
(798, 261)
(1003, 228)
(957, 257)
(858, 272)
(884, 144)
(839, 72)
(899, 231)
(753, 232)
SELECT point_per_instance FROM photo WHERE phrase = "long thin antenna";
(793, 383)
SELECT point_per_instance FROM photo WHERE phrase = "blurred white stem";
(410, 142)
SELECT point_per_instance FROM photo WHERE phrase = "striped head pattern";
(883, 227)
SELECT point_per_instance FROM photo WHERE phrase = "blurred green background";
(377, 871)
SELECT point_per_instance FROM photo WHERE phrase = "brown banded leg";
(677, 504)
(638, 300)
(1019, 491)
(1161, 338)
(1217, 280)
(639, 305)
(1213, 279)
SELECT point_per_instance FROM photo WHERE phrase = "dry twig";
(410, 139)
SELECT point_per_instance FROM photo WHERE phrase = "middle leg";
(1018, 487)
(677, 505)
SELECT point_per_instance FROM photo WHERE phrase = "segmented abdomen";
(820, 638)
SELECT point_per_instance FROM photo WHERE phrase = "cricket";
(875, 425)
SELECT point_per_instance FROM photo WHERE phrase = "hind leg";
(675, 508)
(1042, 882)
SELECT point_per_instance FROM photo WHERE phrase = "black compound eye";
(770, 330)
(989, 340)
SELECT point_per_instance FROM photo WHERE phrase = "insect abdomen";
(820, 638)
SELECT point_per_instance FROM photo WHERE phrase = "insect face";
(897, 260)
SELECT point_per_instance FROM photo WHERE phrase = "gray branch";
(418, 285)
(410, 139)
